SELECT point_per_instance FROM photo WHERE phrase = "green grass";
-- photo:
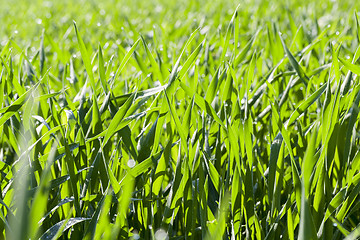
(179, 120)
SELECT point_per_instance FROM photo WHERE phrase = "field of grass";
(187, 119)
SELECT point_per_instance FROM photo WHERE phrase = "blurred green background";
(119, 21)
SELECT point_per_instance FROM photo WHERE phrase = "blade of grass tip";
(214, 85)
(236, 34)
(352, 67)
(102, 70)
(305, 105)
(241, 56)
(73, 78)
(356, 55)
(191, 59)
(114, 183)
(29, 69)
(292, 24)
(174, 71)
(228, 34)
(126, 59)
(294, 63)
(274, 155)
(214, 175)
(309, 163)
(86, 59)
(8, 67)
(154, 64)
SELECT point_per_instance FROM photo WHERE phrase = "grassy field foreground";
(179, 120)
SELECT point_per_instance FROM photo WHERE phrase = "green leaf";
(154, 64)
(190, 60)
(241, 56)
(60, 227)
(305, 105)
(295, 64)
(174, 72)
(307, 228)
(178, 125)
(102, 70)
(352, 67)
(86, 59)
(119, 116)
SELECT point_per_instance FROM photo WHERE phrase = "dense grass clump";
(179, 120)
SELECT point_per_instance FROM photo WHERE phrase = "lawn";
(186, 119)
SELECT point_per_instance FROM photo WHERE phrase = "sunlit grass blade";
(86, 59)
(110, 131)
(295, 64)
(102, 69)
